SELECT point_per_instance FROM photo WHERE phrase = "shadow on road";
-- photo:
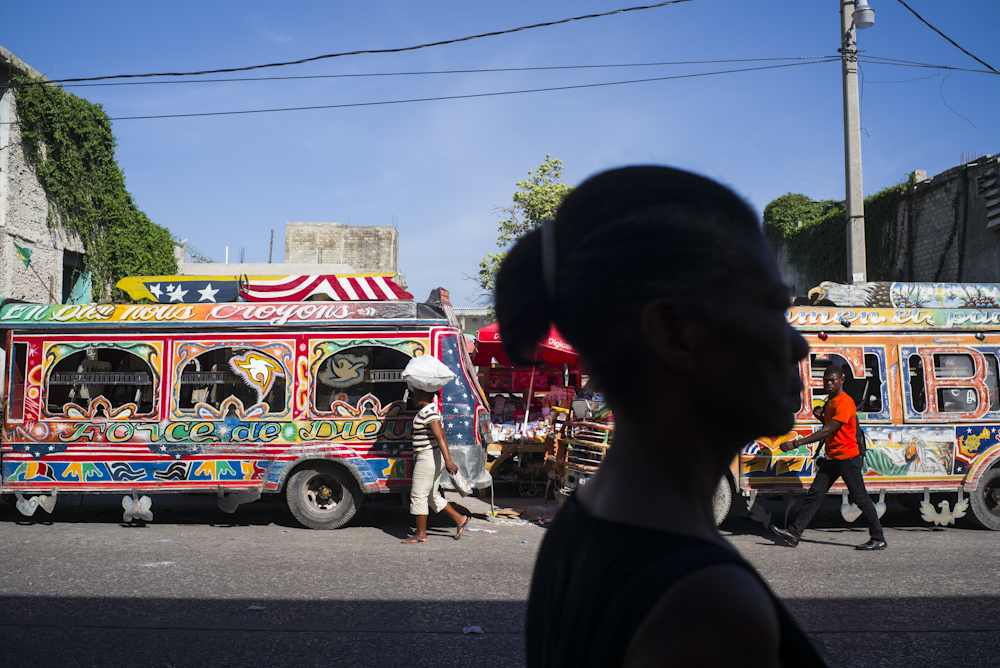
(112, 632)
(140, 631)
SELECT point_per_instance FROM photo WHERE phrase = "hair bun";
(522, 307)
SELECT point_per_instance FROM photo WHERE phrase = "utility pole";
(857, 271)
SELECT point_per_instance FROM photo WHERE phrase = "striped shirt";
(423, 439)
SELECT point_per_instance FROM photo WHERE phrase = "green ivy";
(70, 143)
(818, 246)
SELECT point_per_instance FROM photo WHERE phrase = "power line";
(878, 60)
(431, 72)
(474, 95)
(981, 62)
(364, 51)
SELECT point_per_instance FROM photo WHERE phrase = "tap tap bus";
(231, 399)
(921, 363)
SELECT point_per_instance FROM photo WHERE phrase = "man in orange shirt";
(840, 459)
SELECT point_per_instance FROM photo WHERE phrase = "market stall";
(523, 399)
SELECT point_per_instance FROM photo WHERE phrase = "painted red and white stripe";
(335, 288)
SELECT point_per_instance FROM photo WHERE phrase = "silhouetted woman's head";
(623, 239)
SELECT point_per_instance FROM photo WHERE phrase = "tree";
(791, 211)
(536, 199)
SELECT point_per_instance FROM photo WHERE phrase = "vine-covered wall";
(812, 236)
(71, 146)
(940, 229)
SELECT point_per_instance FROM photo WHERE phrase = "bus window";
(918, 395)
(18, 364)
(120, 377)
(248, 375)
(991, 381)
(955, 399)
(349, 374)
(954, 365)
(819, 363)
(867, 391)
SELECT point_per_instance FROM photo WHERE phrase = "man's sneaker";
(872, 545)
(789, 537)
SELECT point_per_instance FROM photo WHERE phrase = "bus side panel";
(183, 441)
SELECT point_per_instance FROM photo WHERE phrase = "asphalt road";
(197, 587)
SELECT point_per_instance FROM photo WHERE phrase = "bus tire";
(722, 501)
(323, 496)
(985, 501)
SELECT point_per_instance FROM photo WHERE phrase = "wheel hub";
(322, 495)
(992, 498)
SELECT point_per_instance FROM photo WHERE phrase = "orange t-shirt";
(842, 444)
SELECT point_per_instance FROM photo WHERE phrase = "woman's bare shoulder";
(721, 615)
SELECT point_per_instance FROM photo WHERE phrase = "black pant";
(829, 471)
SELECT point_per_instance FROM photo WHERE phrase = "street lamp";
(864, 16)
(854, 14)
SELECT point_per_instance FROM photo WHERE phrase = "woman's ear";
(669, 334)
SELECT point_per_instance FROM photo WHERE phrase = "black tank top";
(595, 581)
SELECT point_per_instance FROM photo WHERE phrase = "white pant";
(428, 466)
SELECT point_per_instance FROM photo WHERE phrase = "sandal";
(461, 528)
(413, 539)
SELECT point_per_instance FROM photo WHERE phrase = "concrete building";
(472, 319)
(55, 274)
(948, 226)
(312, 248)
(368, 248)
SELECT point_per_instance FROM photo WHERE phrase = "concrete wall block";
(369, 249)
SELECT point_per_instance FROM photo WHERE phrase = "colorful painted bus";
(922, 362)
(233, 399)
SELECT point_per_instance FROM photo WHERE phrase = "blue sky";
(437, 169)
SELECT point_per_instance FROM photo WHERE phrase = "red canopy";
(553, 349)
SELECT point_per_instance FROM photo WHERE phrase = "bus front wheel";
(323, 496)
(985, 500)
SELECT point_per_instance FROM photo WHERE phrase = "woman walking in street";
(430, 460)
(662, 281)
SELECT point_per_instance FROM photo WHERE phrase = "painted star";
(155, 290)
(178, 295)
(208, 294)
